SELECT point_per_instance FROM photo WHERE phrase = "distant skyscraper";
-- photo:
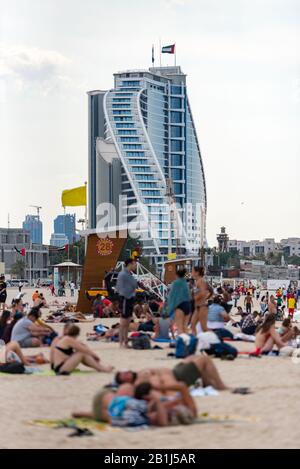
(34, 225)
(59, 240)
(66, 224)
(143, 144)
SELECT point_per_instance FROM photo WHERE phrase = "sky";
(242, 58)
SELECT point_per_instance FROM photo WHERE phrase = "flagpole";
(153, 59)
(175, 55)
(160, 52)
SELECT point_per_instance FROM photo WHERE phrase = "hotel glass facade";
(148, 120)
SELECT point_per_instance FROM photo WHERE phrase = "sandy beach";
(267, 418)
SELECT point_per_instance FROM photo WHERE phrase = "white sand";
(274, 382)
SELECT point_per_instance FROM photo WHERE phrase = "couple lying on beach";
(158, 397)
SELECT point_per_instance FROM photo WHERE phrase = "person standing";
(3, 292)
(272, 305)
(72, 288)
(179, 302)
(248, 302)
(21, 285)
(202, 294)
(126, 288)
(291, 305)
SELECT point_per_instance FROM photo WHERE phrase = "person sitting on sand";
(249, 323)
(67, 353)
(285, 327)
(16, 307)
(6, 334)
(13, 354)
(267, 336)
(146, 322)
(40, 302)
(112, 310)
(35, 296)
(217, 318)
(131, 406)
(163, 328)
(4, 321)
(27, 333)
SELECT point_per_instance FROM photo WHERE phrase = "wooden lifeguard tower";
(102, 254)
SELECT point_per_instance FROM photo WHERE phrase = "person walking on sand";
(126, 288)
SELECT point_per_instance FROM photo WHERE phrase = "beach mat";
(93, 425)
(164, 341)
(70, 423)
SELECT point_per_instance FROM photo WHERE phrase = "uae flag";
(168, 49)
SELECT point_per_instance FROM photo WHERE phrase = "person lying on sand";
(67, 353)
(189, 372)
(142, 405)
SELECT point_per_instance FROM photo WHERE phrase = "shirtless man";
(201, 296)
(272, 305)
(188, 372)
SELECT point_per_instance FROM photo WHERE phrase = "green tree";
(18, 268)
(293, 260)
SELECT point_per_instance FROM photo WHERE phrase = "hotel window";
(176, 131)
(176, 117)
(177, 174)
(129, 139)
(130, 83)
(124, 126)
(121, 106)
(122, 119)
(129, 146)
(121, 111)
(176, 103)
(176, 160)
(176, 145)
(176, 89)
(134, 153)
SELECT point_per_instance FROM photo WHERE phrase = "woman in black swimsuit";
(67, 353)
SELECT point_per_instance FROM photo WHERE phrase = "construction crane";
(38, 208)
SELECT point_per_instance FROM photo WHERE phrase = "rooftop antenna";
(8, 221)
(38, 208)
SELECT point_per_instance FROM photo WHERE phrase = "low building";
(36, 259)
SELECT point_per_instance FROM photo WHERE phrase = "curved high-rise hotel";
(144, 158)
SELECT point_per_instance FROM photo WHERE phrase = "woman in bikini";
(267, 336)
(203, 292)
(67, 353)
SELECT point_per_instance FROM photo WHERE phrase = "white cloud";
(23, 66)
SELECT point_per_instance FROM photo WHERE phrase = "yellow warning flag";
(74, 197)
(172, 256)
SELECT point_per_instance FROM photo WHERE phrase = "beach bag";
(141, 342)
(222, 350)
(186, 345)
(13, 368)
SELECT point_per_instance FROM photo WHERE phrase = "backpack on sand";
(13, 368)
(186, 345)
(141, 342)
